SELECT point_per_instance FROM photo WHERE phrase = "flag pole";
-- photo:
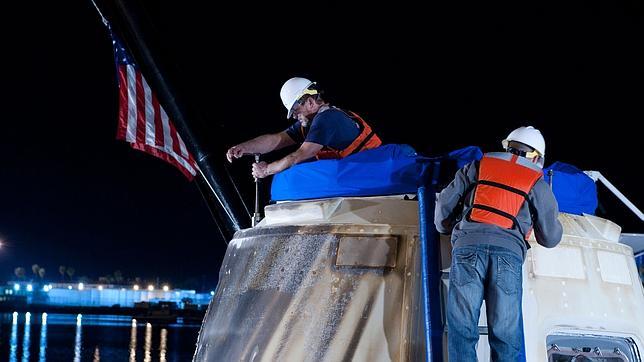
(226, 204)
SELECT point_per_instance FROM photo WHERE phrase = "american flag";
(142, 121)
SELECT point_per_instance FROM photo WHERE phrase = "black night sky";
(438, 78)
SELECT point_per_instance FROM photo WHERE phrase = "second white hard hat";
(292, 90)
(529, 136)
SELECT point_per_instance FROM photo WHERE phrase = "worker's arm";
(306, 151)
(447, 202)
(262, 144)
(547, 228)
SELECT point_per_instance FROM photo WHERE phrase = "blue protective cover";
(398, 169)
(387, 170)
(465, 155)
(576, 193)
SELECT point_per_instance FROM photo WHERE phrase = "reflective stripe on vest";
(366, 140)
(504, 181)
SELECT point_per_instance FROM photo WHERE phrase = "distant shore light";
(30, 287)
(166, 288)
(135, 287)
(16, 287)
(69, 287)
(81, 286)
(100, 287)
(150, 287)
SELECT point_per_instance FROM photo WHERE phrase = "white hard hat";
(292, 90)
(529, 136)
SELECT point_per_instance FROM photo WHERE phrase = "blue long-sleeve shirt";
(547, 228)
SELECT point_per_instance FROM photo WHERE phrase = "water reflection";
(77, 340)
(133, 342)
(163, 344)
(42, 353)
(85, 338)
(26, 338)
(148, 343)
(13, 354)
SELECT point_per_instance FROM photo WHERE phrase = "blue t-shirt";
(331, 127)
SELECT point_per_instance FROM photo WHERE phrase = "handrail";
(597, 176)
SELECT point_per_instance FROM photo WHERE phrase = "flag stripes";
(144, 123)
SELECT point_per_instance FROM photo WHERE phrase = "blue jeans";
(492, 273)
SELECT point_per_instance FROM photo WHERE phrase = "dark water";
(66, 337)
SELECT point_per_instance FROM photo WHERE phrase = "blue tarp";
(386, 170)
(397, 169)
(465, 155)
(576, 193)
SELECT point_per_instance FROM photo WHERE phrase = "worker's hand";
(235, 152)
(260, 169)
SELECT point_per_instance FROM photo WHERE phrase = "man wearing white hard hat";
(490, 209)
(323, 131)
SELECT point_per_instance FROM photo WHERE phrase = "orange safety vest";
(504, 181)
(366, 140)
